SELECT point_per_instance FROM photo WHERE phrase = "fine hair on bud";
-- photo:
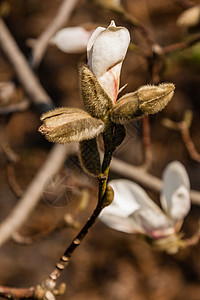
(153, 99)
(89, 157)
(66, 125)
(126, 109)
(95, 99)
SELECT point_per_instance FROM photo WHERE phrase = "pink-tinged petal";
(109, 49)
(110, 81)
(175, 197)
(72, 39)
(154, 223)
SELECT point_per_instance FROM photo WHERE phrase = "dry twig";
(184, 128)
(30, 83)
(60, 19)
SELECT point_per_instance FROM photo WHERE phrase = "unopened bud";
(66, 125)
(108, 196)
(153, 99)
(148, 99)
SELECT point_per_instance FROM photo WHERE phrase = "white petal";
(93, 38)
(190, 17)
(72, 39)
(175, 198)
(154, 223)
(119, 223)
(109, 49)
(128, 198)
(180, 203)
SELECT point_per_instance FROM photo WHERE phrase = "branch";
(60, 19)
(179, 46)
(30, 83)
(185, 4)
(20, 293)
(145, 179)
(184, 128)
(31, 197)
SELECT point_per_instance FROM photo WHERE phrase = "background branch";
(32, 195)
(60, 19)
(27, 78)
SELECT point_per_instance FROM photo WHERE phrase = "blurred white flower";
(190, 17)
(72, 39)
(106, 51)
(132, 210)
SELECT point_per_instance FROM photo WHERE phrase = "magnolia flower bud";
(148, 99)
(71, 39)
(153, 99)
(106, 50)
(66, 125)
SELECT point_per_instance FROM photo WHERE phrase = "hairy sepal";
(95, 99)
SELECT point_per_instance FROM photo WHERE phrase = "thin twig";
(64, 260)
(62, 16)
(179, 46)
(30, 83)
(145, 179)
(184, 128)
(185, 3)
(12, 181)
(20, 293)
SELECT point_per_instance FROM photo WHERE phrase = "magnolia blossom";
(132, 210)
(106, 51)
(72, 39)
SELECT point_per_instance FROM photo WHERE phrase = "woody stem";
(64, 259)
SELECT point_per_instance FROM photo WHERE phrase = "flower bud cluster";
(99, 81)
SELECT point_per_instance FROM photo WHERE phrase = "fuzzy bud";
(108, 196)
(95, 99)
(66, 125)
(148, 99)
